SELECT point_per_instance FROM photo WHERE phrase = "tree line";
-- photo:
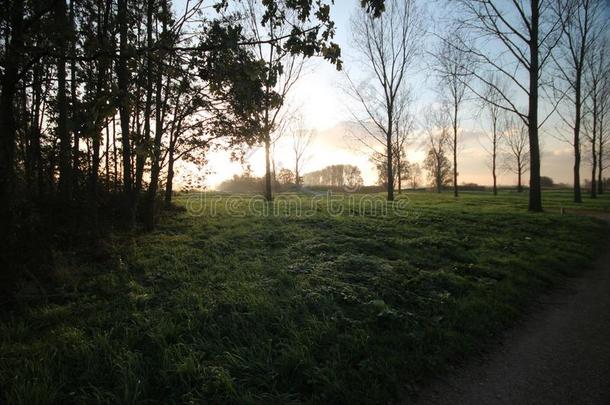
(523, 64)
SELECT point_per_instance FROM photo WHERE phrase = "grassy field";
(344, 300)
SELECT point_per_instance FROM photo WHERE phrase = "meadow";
(313, 299)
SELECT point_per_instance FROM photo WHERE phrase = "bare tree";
(388, 46)
(515, 136)
(603, 115)
(301, 141)
(405, 129)
(514, 38)
(597, 83)
(494, 114)
(452, 66)
(414, 175)
(437, 128)
(580, 26)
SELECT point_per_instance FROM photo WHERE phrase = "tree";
(580, 27)
(439, 168)
(347, 176)
(122, 73)
(517, 160)
(160, 103)
(414, 175)
(389, 46)
(301, 141)
(546, 181)
(597, 83)
(286, 176)
(65, 141)
(453, 68)
(494, 114)
(437, 128)
(405, 128)
(193, 124)
(12, 60)
(400, 167)
(526, 32)
(283, 69)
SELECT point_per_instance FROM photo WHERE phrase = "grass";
(344, 300)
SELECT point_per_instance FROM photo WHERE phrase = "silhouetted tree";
(494, 114)
(301, 138)
(581, 24)
(453, 68)
(437, 127)
(414, 175)
(515, 135)
(596, 109)
(525, 34)
(400, 167)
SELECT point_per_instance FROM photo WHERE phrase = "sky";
(326, 109)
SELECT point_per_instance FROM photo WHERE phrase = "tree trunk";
(593, 172)
(600, 155)
(577, 157)
(107, 160)
(297, 181)
(156, 157)
(169, 184)
(268, 192)
(98, 121)
(455, 171)
(535, 194)
(65, 144)
(494, 152)
(115, 159)
(123, 100)
(73, 129)
(34, 177)
(399, 170)
(593, 150)
(439, 180)
(390, 179)
(143, 144)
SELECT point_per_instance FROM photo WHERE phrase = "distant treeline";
(335, 176)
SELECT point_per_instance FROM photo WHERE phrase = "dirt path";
(560, 354)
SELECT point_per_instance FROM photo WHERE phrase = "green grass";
(359, 307)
